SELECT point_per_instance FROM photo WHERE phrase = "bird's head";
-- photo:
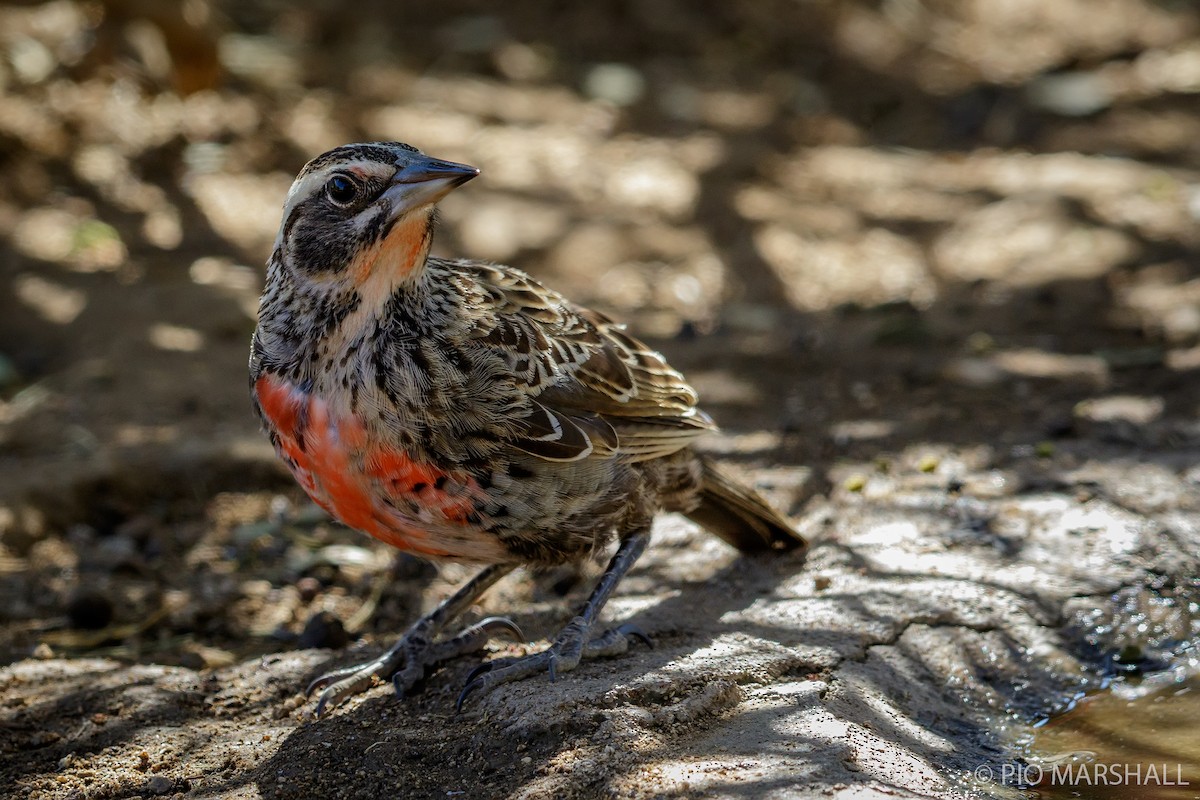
(362, 215)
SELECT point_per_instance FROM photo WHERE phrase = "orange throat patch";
(397, 257)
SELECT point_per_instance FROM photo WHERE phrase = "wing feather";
(594, 390)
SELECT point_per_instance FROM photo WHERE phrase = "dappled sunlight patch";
(739, 659)
(1132, 409)
(273, 62)
(1171, 69)
(176, 338)
(873, 268)
(780, 737)
(858, 430)
(425, 127)
(700, 776)
(741, 443)
(628, 605)
(132, 434)
(1183, 359)
(1003, 367)
(1032, 363)
(1114, 530)
(879, 183)
(794, 211)
(601, 248)
(107, 169)
(313, 124)
(904, 727)
(1005, 43)
(215, 271)
(679, 273)
(242, 208)
(1162, 300)
(52, 301)
(518, 105)
(1027, 239)
(724, 387)
(653, 184)
(498, 227)
(719, 108)
(238, 280)
(1010, 219)
(887, 534)
(589, 168)
(73, 238)
(998, 537)
(683, 556)
(1162, 132)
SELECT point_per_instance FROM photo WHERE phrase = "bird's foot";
(570, 647)
(407, 661)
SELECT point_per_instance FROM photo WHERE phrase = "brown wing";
(594, 389)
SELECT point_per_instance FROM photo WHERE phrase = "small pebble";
(159, 784)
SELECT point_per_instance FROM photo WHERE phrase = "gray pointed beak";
(423, 181)
(423, 169)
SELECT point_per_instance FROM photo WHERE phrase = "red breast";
(363, 484)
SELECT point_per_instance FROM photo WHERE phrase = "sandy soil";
(903, 250)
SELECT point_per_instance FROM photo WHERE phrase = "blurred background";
(876, 234)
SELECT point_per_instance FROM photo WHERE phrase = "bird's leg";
(405, 663)
(574, 642)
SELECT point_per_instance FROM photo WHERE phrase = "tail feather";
(740, 516)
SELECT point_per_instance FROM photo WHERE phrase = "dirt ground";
(882, 239)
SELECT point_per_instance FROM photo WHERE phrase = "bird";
(459, 410)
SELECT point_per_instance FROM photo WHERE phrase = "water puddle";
(1139, 739)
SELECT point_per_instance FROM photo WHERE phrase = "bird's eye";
(341, 190)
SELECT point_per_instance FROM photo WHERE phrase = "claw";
(629, 630)
(462, 697)
(471, 685)
(495, 625)
(329, 678)
(482, 669)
